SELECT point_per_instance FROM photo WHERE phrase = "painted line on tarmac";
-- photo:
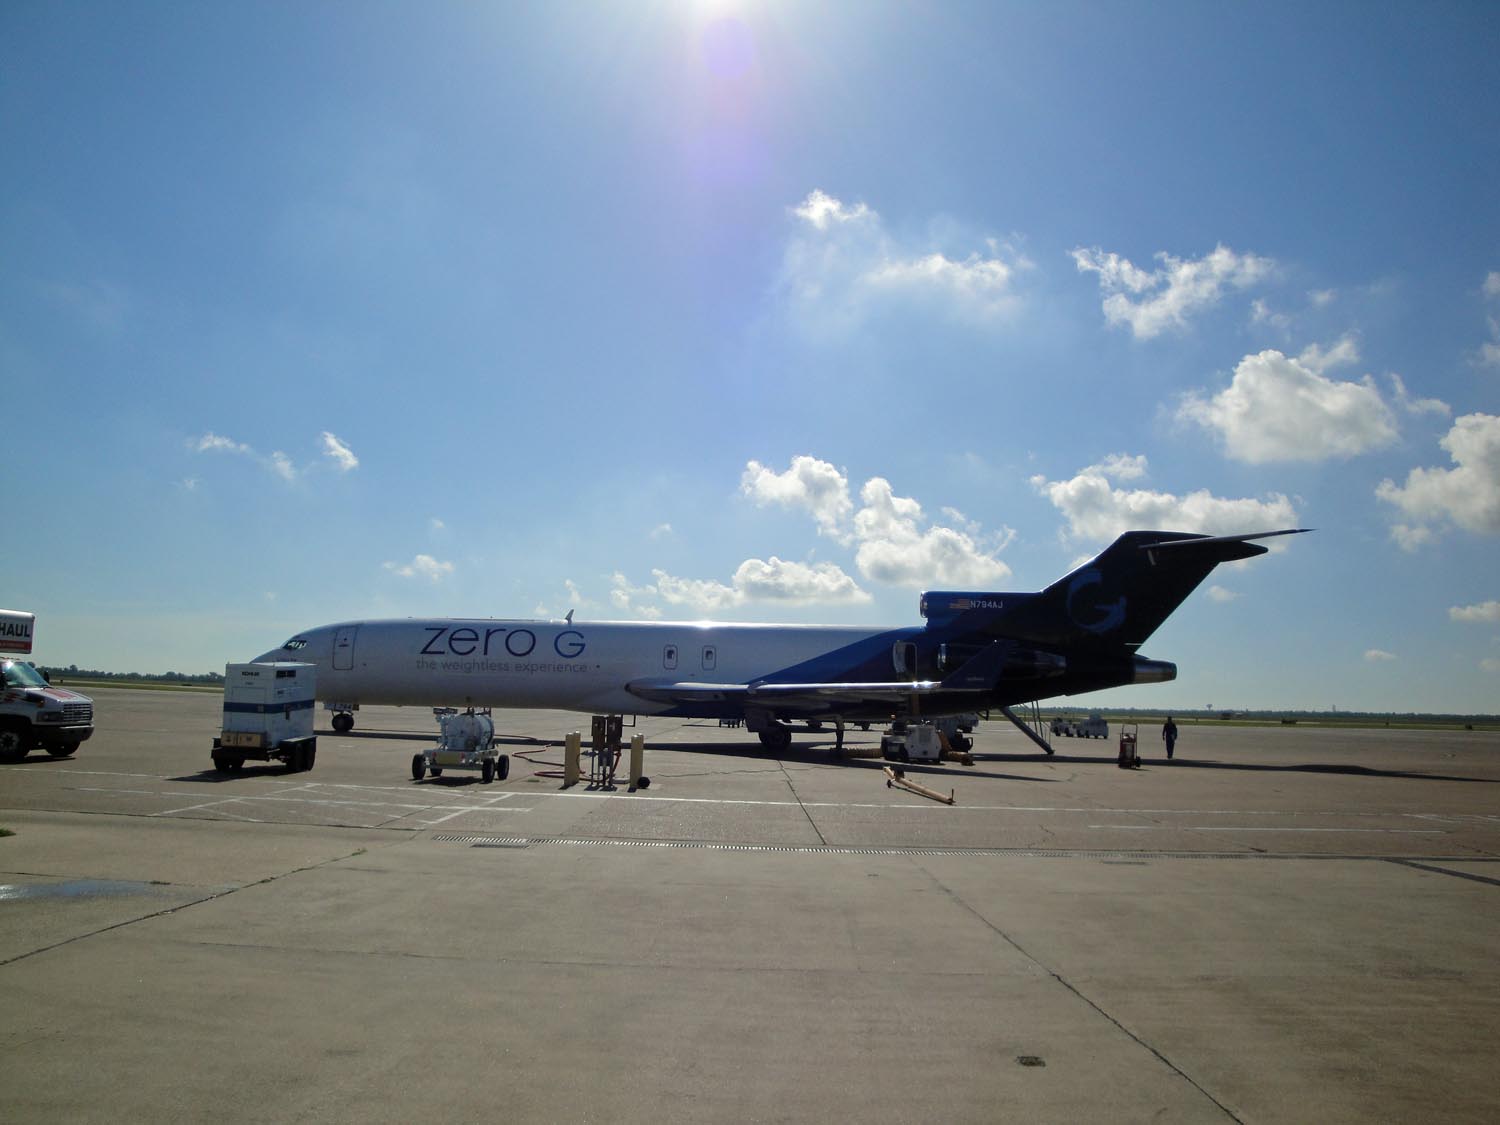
(1231, 828)
(408, 808)
(498, 798)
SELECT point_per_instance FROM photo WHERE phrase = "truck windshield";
(22, 675)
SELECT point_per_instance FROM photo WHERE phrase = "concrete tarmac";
(1283, 924)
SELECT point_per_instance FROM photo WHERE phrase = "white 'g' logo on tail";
(1086, 611)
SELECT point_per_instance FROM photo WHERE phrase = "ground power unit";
(268, 716)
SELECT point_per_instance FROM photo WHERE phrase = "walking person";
(1169, 735)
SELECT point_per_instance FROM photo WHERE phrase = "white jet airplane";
(976, 651)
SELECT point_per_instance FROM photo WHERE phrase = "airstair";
(1029, 723)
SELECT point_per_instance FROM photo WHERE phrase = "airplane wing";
(813, 695)
(977, 675)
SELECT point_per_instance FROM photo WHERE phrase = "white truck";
(1094, 726)
(268, 716)
(33, 713)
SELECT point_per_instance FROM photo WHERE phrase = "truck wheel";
(312, 753)
(433, 771)
(15, 742)
(486, 772)
(502, 767)
(222, 764)
(418, 767)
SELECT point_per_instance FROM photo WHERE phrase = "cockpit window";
(295, 643)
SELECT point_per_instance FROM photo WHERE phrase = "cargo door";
(343, 648)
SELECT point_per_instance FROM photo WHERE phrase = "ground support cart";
(268, 716)
(466, 742)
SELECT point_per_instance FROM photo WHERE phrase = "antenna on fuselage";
(569, 618)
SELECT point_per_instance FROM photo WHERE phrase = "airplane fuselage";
(579, 667)
(976, 651)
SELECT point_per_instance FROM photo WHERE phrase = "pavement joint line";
(1242, 828)
(913, 850)
(962, 903)
(308, 801)
(222, 893)
(1445, 871)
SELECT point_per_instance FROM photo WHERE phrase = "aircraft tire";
(776, 737)
(343, 722)
(418, 767)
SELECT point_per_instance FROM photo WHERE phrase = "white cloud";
(894, 542)
(1409, 538)
(895, 548)
(822, 210)
(760, 580)
(1167, 296)
(629, 599)
(1467, 495)
(810, 484)
(1343, 353)
(277, 461)
(341, 454)
(1417, 405)
(1282, 409)
(1096, 511)
(1378, 656)
(1322, 298)
(1119, 466)
(1487, 613)
(841, 264)
(423, 566)
(661, 531)
(775, 580)
(1489, 351)
(1490, 664)
(217, 443)
(1219, 594)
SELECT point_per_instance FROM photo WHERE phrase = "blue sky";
(755, 311)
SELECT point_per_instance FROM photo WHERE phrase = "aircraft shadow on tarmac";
(212, 776)
(422, 736)
(1252, 767)
(821, 754)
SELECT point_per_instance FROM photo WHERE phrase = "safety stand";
(606, 733)
(572, 751)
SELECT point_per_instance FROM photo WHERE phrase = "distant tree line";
(139, 677)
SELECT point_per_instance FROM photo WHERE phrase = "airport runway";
(1285, 924)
